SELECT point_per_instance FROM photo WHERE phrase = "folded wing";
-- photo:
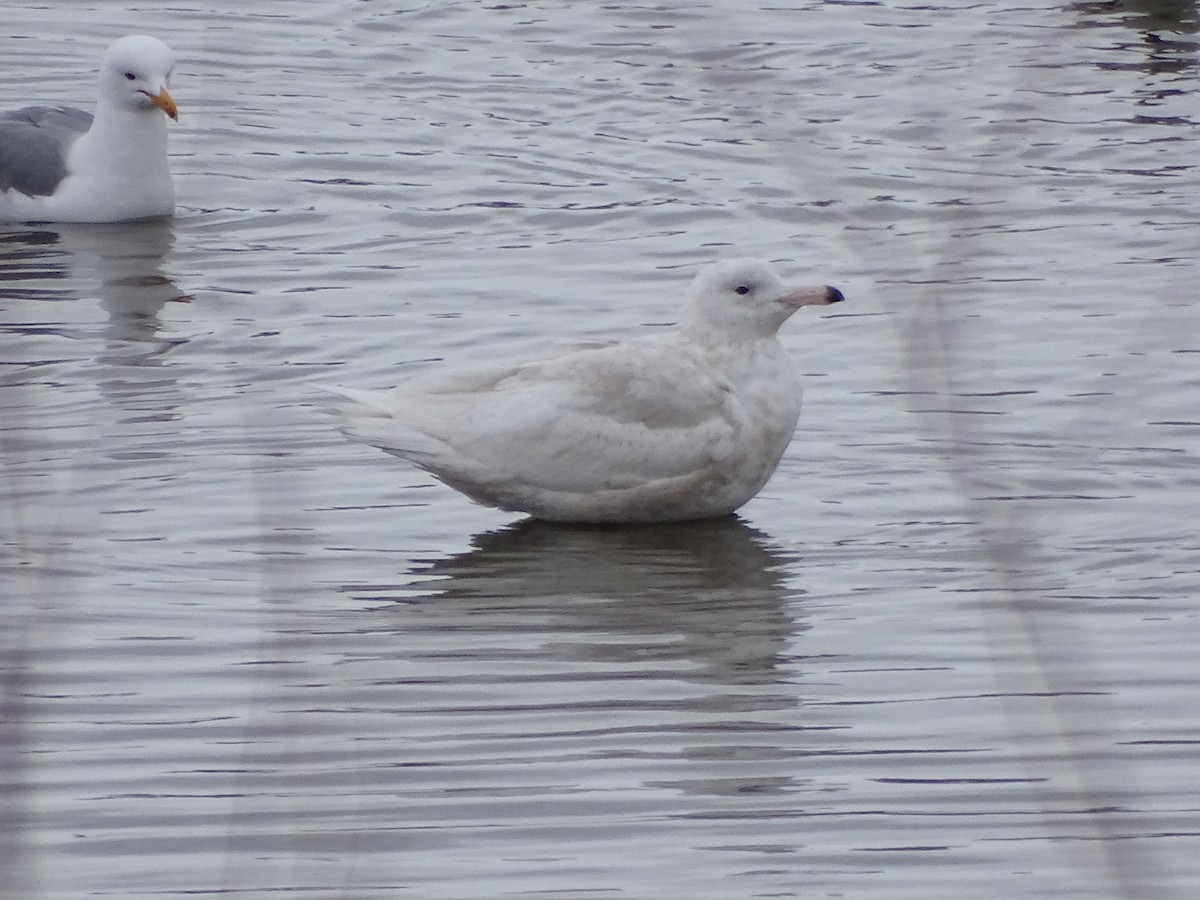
(33, 147)
(601, 419)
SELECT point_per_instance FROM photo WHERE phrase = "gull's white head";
(135, 74)
(746, 298)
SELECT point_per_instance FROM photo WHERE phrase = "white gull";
(61, 164)
(687, 423)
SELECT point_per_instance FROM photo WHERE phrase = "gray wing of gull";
(33, 146)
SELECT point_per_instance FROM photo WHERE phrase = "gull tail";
(373, 417)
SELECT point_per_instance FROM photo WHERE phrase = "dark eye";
(742, 289)
(129, 76)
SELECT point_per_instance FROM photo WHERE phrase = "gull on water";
(61, 164)
(686, 423)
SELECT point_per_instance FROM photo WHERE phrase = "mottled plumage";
(688, 423)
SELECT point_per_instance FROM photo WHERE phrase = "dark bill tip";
(833, 295)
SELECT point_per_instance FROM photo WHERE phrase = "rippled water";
(948, 652)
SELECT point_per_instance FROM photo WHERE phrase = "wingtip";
(349, 402)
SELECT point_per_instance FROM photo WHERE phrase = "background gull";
(686, 424)
(61, 164)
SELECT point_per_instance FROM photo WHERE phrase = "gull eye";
(130, 76)
(742, 289)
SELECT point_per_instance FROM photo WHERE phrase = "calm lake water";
(950, 651)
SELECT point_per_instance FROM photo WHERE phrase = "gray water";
(950, 650)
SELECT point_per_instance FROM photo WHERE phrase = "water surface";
(948, 651)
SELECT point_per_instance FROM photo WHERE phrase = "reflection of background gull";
(706, 593)
(61, 268)
(121, 265)
(133, 287)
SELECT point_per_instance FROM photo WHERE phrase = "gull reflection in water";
(120, 265)
(710, 595)
(51, 277)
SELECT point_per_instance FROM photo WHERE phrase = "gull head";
(746, 299)
(135, 74)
